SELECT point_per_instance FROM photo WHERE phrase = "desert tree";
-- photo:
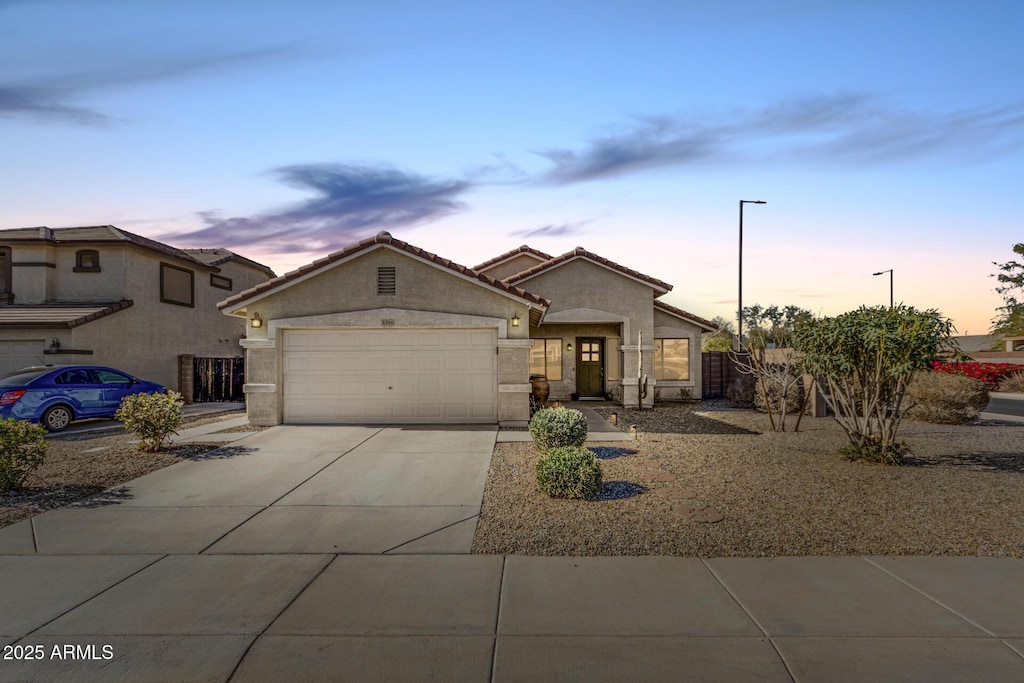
(721, 339)
(772, 361)
(867, 357)
(1010, 317)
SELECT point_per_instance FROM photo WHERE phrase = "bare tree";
(773, 364)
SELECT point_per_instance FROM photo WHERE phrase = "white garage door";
(381, 376)
(20, 354)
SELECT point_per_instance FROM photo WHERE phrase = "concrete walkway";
(598, 428)
(340, 553)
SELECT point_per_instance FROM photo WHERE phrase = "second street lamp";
(739, 317)
(883, 272)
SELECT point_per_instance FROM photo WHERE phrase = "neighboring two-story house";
(383, 331)
(105, 296)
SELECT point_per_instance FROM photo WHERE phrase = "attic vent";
(386, 281)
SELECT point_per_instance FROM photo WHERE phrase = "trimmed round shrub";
(945, 399)
(558, 428)
(22, 450)
(151, 417)
(570, 472)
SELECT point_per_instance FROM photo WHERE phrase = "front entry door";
(590, 366)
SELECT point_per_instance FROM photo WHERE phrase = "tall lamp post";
(739, 317)
(883, 272)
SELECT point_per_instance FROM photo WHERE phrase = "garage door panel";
(390, 375)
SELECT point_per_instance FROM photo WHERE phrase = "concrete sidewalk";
(327, 617)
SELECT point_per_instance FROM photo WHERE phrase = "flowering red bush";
(988, 373)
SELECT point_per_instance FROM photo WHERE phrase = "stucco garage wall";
(345, 296)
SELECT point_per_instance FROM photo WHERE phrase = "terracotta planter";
(541, 389)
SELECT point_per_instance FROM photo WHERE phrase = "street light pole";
(739, 317)
(883, 272)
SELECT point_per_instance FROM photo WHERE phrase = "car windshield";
(21, 378)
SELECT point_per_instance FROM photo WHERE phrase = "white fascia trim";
(656, 288)
(259, 297)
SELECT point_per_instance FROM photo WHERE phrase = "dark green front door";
(590, 366)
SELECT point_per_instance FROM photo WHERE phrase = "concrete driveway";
(290, 489)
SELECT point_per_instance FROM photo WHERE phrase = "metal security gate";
(218, 379)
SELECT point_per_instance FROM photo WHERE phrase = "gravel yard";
(777, 494)
(81, 465)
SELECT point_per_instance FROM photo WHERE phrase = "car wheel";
(57, 418)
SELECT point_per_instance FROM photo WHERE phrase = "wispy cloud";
(350, 202)
(53, 97)
(852, 129)
(552, 230)
(45, 103)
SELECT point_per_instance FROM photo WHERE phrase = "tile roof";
(379, 238)
(58, 314)
(680, 313)
(524, 249)
(580, 252)
(215, 257)
(92, 235)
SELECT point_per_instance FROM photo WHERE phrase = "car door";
(116, 385)
(85, 394)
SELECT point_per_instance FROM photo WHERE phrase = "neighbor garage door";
(398, 375)
(20, 354)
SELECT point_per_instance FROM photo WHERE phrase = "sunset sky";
(881, 135)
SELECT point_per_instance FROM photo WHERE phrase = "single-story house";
(385, 332)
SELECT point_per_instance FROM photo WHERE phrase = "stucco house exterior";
(385, 332)
(105, 296)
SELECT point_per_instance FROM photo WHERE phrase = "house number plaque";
(387, 322)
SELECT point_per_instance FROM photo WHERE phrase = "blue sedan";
(54, 396)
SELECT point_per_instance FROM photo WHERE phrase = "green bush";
(22, 450)
(945, 399)
(558, 428)
(151, 417)
(570, 472)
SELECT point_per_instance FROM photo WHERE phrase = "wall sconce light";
(568, 347)
(515, 320)
(256, 320)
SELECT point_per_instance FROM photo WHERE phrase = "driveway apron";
(400, 489)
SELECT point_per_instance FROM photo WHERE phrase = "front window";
(546, 358)
(672, 359)
(177, 285)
